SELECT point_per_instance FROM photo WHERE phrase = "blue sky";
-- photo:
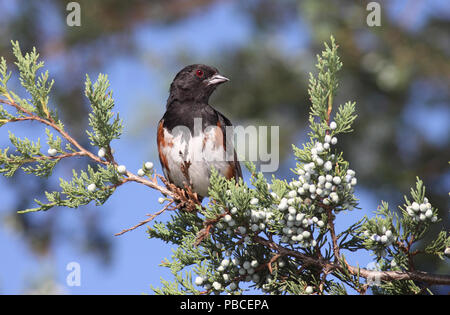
(135, 258)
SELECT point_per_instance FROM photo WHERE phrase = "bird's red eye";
(199, 73)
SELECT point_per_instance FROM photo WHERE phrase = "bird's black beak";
(217, 79)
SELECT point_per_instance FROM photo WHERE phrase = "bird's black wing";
(224, 122)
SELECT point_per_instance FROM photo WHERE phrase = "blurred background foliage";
(397, 73)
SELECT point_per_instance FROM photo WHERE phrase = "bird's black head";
(195, 83)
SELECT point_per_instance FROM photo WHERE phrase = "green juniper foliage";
(277, 237)
(27, 155)
(102, 105)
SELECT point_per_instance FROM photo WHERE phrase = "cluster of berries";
(255, 218)
(421, 212)
(297, 225)
(231, 271)
(316, 181)
(385, 239)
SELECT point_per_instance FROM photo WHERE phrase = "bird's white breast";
(198, 154)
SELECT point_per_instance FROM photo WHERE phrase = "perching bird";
(192, 137)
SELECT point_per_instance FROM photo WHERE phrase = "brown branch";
(330, 108)
(271, 261)
(208, 224)
(333, 233)
(364, 273)
(409, 254)
(51, 123)
(151, 217)
(45, 157)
